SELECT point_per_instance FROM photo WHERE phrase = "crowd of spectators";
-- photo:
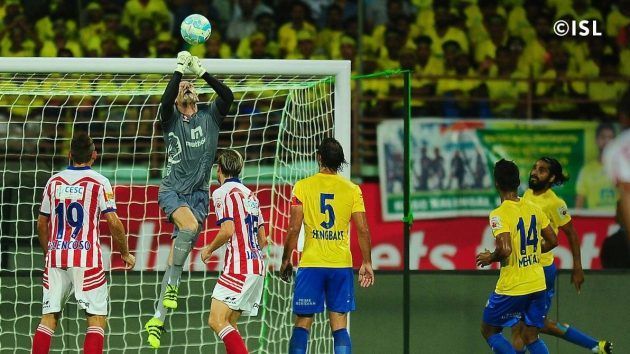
(496, 52)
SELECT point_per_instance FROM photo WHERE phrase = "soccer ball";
(195, 29)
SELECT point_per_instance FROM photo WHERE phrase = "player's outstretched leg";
(576, 337)
(44, 332)
(188, 230)
(95, 335)
(155, 326)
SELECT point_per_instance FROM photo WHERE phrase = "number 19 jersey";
(74, 200)
(521, 272)
(328, 202)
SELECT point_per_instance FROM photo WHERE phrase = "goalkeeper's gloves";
(183, 61)
(196, 67)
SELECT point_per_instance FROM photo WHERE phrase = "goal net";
(282, 110)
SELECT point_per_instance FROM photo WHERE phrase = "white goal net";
(282, 110)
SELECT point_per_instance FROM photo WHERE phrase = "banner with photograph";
(452, 162)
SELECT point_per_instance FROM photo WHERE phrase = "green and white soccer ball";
(195, 29)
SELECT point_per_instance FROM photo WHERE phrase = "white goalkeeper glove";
(183, 61)
(196, 68)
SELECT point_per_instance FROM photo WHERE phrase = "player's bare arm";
(42, 232)
(120, 239)
(366, 274)
(262, 236)
(624, 200)
(551, 239)
(296, 217)
(503, 250)
(577, 276)
(223, 236)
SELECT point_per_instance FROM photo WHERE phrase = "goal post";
(282, 109)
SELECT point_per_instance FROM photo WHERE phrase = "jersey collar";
(232, 179)
(74, 168)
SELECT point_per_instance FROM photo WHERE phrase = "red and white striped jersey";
(233, 201)
(74, 200)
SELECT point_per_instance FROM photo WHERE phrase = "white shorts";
(88, 284)
(240, 292)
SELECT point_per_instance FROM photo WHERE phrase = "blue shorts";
(314, 285)
(198, 202)
(550, 278)
(506, 311)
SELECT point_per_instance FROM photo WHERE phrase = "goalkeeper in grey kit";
(191, 133)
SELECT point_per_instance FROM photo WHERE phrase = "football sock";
(233, 341)
(538, 347)
(160, 311)
(41, 340)
(343, 345)
(299, 341)
(94, 338)
(575, 336)
(500, 345)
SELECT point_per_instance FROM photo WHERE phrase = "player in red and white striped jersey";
(616, 159)
(67, 226)
(239, 288)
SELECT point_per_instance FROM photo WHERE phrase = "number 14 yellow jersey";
(328, 202)
(521, 272)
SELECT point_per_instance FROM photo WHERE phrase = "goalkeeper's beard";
(189, 100)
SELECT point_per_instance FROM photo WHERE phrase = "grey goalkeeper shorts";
(198, 202)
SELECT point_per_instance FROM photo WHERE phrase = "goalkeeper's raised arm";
(191, 135)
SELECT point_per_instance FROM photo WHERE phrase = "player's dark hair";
(231, 163)
(506, 175)
(81, 148)
(604, 126)
(331, 154)
(555, 169)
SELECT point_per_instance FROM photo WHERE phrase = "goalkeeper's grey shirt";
(191, 144)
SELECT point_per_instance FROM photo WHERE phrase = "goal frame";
(339, 69)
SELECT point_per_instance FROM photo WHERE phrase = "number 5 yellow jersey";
(521, 272)
(328, 202)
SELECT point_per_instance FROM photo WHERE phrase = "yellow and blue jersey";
(556, 210)
(521, 272)
(328, 203)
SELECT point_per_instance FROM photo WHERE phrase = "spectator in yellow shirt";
(330, 36)
(557, 87)
(95, 26)
(258, 46)
(593, 189)
(485, 50)
(287, 34)
(19, 39)
(618, 18)
(214, 47)
(507, 92)
(388, 52)
(443, 30)
(266, 26)
(154, 10)
(306, 47)
(606, 93)
(51, 48)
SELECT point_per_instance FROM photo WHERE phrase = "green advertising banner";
(452, 163)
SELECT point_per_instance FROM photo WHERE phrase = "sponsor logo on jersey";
(563, 212)
(495, 223)
(65, 191)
